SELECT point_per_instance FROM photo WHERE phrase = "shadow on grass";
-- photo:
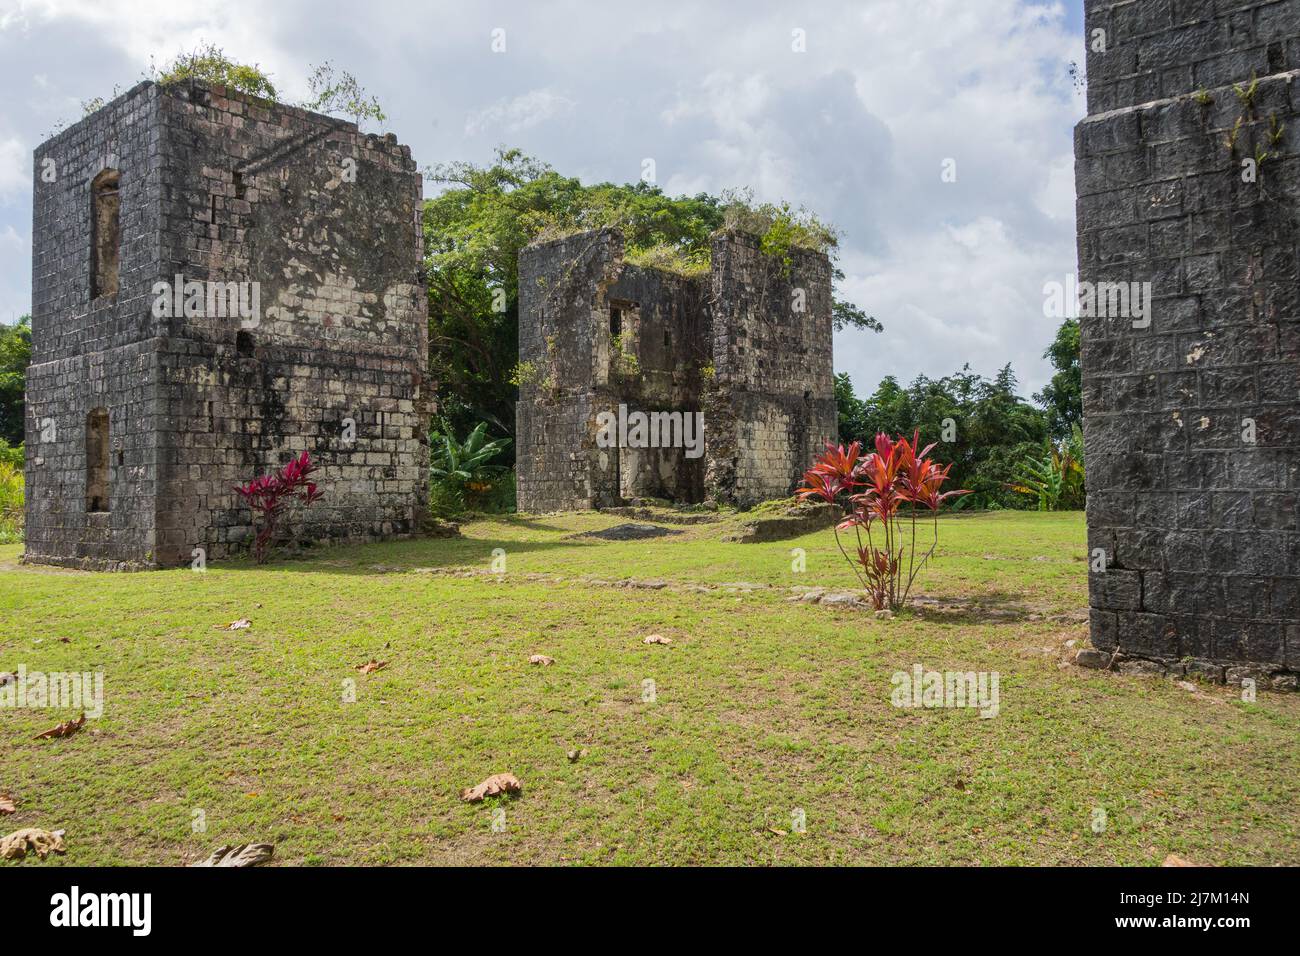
(987, 607)
(395, 557)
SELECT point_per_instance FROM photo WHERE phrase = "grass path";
(763, 706)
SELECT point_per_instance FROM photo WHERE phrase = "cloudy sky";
(857, 126)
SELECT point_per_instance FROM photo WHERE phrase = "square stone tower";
(220, 283)
(746, 347)
(1188, 176)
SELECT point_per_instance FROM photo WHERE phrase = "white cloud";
(518, 113)
(856, 128)
(15, 169)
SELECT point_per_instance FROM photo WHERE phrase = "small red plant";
(269, 495)
(883, 494)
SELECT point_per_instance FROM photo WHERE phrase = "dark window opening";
(1276, 59)
(668, 338)
(105, 233)
(615, 321)
(244, 343)
(97, 460)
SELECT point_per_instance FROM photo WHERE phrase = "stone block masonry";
(747, 347)
(142, 416)
(1188, 179)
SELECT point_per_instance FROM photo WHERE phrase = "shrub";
(463, 475)
(883, 494)
(271, 494)
(11, 500)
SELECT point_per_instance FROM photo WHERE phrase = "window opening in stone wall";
(105, 233)
(97, 460)
(615, 321)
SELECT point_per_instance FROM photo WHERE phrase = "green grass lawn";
(763, 706)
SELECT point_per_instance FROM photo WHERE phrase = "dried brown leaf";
(370, 666)
(494, 785)
(7, 804)
(657, 639)
(65, 729)
(239, 625)
(541, 659)
(41, 842)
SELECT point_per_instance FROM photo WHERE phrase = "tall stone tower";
(219, 283)
(1188, 178)
(746, 348)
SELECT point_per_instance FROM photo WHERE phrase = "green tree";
(982, 428)
(339, 92)
(1062, 397)
(852, 410)
(15, 356)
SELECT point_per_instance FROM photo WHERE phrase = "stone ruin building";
(746, 347)
(1188, 177)
(151, 392)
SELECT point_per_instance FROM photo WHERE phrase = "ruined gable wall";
(1194, 510)
(771, 404)
(564, 341)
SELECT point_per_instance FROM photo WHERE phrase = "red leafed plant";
(269, 495)
(883, 494)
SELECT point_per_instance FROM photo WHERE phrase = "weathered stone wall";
(665, 335)
(596, 333)
(216, 187)
(1192, 419)
(564, 343)
(771, 405)
(94, 353)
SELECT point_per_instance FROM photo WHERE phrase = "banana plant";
(467, 462)
(1057, 479)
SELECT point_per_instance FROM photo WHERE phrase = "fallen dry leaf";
(496, 784)
(16, 845)
(246, 854)
(239, 625)
(657, 639)
(65, 729)
(1173, 859)
(371, 666)
(7, 804)
(541, 659)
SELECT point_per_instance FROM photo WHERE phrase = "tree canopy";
(1063, 395)
(15, 356)
(981, 426)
